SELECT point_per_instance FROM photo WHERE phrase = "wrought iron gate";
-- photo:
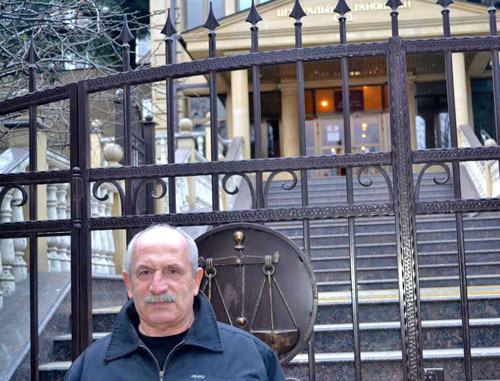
(403, 205)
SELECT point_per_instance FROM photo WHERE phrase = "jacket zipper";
(161, 372)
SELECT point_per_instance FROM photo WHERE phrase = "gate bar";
(297, 13)
(170, 32)
(254, 18)
(211, 24)
(462, 267)
(32, 57)
(342, 8)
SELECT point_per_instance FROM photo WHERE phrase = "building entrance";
(370, 132)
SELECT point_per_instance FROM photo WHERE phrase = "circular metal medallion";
(260, 281)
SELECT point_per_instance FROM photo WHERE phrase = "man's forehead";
(161, 236)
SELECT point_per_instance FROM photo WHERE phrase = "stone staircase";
(378, 296)
(378, 285)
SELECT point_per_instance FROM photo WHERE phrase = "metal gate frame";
(403, 205)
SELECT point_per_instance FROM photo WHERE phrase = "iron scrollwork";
(153, 194)
(283, 185)
(369, 182)
(119, 189)
(437, 181)
(236, 189)
(8, 188)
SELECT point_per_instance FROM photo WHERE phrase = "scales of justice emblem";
(258, 280)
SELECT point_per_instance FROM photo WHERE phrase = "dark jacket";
(210, 351)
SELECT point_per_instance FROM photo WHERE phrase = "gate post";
(404, 211)
(81, 267)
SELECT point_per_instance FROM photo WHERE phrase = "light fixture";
(324, 103)
(364, 127)
(363, 148)
(363, 135)
(333, 150)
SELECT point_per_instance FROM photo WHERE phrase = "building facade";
(368, 21)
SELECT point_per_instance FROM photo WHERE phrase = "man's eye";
(144, 272)
(173, 271)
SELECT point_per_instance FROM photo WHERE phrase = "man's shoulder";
(98, 347)
(228, 331)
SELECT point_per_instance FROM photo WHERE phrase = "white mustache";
(166, 297)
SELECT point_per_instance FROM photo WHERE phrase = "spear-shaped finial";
(169, 28)
(393, 4)
(444, 3)
(125, 35)
(211, 22)
(31, 55)
(253, 15)
(342, 8)
(297, 12)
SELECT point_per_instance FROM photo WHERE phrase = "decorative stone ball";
(490, 143)
(185, 126)
(113, 153)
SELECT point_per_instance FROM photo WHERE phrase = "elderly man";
(168, 330)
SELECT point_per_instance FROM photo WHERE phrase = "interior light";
(324, 103)
(363, 148)
(333, 150)
(363, 135)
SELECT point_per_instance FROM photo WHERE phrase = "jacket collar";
(203, 333)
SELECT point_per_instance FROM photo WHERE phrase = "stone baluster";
(103, 236)
(19, 268)
(109, 236)
(54, 263)
(62, 249)
(7, 280)
(163, 151)
(95, 236)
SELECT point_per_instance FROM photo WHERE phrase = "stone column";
(240, 109)
(54, 263)
(7, 255)
(412, 108)
(113, 153)
(289, 128)
(229, 115)
(186, 141)
(19, 268)
(62, 206)
(461, 91)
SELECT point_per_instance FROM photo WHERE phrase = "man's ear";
(128, 285)
(197, 280)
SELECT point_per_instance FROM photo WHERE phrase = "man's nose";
(158, 283)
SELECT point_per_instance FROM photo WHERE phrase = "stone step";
(294, 197)
(424, 271)
(62, 345)
(378, 336)
(339, 182)
(386, 336)
(391, 283)
(327, 200)
(439, 303)
(430, 258)
(340, 250)
(381, 224)
(423, 236)
(386, 365)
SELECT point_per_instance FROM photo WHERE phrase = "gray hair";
(192, 248)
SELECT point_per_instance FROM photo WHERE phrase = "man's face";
(161, 271)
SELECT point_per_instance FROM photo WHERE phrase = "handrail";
(484, 175)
